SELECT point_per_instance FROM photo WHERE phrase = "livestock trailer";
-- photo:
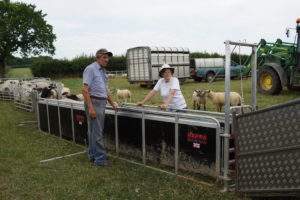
(143, 63)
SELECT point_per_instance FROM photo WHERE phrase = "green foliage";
(23, 30)
(74, 68)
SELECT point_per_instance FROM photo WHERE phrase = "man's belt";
(98, 98)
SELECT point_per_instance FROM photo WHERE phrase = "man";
(96, 94)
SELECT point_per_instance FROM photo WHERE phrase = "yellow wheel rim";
(266, 82)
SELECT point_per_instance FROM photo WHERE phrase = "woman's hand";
(163, 106)
(140, 103)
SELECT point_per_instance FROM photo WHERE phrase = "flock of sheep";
(217, 98)
(22, 91)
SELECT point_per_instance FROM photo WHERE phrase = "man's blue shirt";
(95, 77)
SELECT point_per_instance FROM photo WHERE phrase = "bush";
(54, 68)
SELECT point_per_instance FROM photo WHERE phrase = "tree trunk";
(2, 68)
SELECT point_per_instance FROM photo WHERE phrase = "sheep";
(8, 85)
(65, 91)
(78, 97)
(124, 75)
(49, 92)
(218, 98)
(111, 75)
(199, 98)
(123, 95)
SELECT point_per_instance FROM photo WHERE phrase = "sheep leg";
(194, 105)
(204, 106)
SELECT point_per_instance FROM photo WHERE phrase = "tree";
(23, 30)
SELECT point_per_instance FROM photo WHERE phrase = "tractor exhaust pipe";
(298, 44)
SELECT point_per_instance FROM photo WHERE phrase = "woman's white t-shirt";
(177, 101)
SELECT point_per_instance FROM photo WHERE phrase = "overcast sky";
(201, 25)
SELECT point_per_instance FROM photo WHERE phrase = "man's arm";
(87, 99)
(111, 102)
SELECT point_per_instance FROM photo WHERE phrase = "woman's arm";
(168, 100)
(147, 98)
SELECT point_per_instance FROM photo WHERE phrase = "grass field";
(22, 176)
(138, 93)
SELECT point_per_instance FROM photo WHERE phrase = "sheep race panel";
(268, 151)
(197, 145)
(43, 118)
(80, 127)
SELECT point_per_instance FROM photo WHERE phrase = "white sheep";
(199, 98)
(218, 98)
(65, 91)
(8, 85)
(111, 75)
(123, 95)
(124, 75)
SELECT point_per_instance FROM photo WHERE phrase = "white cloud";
(85, 26)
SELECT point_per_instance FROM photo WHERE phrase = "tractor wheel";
(268, 82)
(197, 79)
(210, 77)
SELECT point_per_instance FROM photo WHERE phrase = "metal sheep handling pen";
(199, 141)
(122, 137)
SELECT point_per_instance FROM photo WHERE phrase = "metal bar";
(143, 138)
(116, 132)
(59, 157)
(270, 150)
(186, 110)
(59, 120)
(241, 44)
(72, 118)
(48, 117)
(38, 115)
(253, 74)
(176, 143)
(227, 111)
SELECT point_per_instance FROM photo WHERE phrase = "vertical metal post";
(218, 144)
(253, 74)
(116, 132)
(143, 137)
(176, 143)
(38, 115)
(227, 113)
(48, 119)
(72, 118)
(59, 121)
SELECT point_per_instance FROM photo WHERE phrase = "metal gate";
(268, 151)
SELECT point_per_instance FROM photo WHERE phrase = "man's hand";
(114, 105)
(92, 112)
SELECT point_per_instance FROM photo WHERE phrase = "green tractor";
(278, 65)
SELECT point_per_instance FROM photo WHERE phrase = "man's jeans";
(96, 150)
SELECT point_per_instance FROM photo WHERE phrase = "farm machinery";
(278, 65)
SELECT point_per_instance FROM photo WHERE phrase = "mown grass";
(19, 73)
(22, 176)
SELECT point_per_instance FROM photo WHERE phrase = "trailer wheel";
(268, 82)
(210, 77)
(197, 79)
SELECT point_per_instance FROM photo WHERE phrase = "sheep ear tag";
(80, 119)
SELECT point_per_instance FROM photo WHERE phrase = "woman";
(169, 89)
